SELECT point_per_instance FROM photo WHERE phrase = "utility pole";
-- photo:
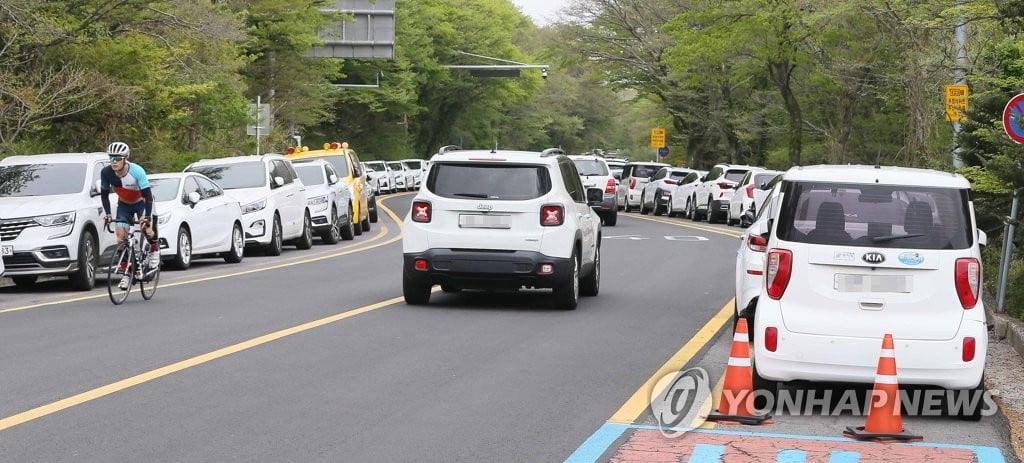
(959, 75)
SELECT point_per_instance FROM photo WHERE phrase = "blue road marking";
(703, 453)
(791, 456)
(597, 443)
(842, 456)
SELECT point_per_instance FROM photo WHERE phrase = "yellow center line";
(688, 225)
(640, 400)
(383, 232)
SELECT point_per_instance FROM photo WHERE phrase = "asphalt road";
(313, 356)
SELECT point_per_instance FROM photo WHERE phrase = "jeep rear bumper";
(486, 269)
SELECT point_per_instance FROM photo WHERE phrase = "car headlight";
(322, 199)
(55, 220)
(163, 218)
(254, 206)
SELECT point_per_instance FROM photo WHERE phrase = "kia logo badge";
(874, 257)
(484, 207)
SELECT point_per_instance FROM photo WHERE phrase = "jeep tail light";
(757, 243)
(421, 211)
(610, 187)
(778, 269)
(968, 350)
(632, 183)
(420, 264)
(750, 191)
(669, 181)
(771, 338)
(552, 215)
(968, 281)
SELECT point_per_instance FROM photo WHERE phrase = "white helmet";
(119, 148)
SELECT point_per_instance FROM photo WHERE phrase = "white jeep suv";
(503, 220)
(857, 252)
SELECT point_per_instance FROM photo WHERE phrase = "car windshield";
(645, 170)
(312, 174)
(236, 175)
(164, 189)
(395, 165)
(376, 166)
(488, 181)
(413, 165)
(42, 179)
(590, 167)
(871, 215)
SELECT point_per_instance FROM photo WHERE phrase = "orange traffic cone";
(737, 404)
(885, 420)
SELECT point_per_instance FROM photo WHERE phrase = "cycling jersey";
(131, 189)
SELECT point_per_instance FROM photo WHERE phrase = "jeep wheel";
(415, 293)
(611, 217)
(591, 283)
(567, 291)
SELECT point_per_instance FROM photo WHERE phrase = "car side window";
(357, 170)
(328, 171)
(714, 173)
(626, 171)
(571, 178)
(279, 169)
(96, 169)
(661, 173)
(746, 178)
(209, 189)
(190, 186)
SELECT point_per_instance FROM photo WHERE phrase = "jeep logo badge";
(484, 207)
(874, 257)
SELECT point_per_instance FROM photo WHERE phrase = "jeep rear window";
(590, 167)
(488, 181)
(879, 216)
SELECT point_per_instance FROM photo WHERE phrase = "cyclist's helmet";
(119, 148)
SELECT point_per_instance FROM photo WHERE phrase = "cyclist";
(135, 198)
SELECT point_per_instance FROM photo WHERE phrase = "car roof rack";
(447, 148)
(552, 152)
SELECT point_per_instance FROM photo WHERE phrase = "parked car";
(594, 173)
(656, 194)
(52, 222)
(380, 176)
(616, 166)
(195, 218)
(502, 219)
(750, 192)
(403, 179)
(415, 169)
(273, 198)
(712, 195)
(750, 261)
(680, 201)
(634, 176)
(857, 252)
(350, 170)
(328, 198)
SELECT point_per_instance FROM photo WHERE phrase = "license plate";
(7, 250)
(484, 220)
(853, 283)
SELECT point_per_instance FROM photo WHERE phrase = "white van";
(856, 252)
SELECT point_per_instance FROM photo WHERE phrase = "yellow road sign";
(956, 103)
(657, 138)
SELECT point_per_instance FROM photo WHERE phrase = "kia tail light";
(552, 215)
(421, 211)
(778, 269)
(968, 281)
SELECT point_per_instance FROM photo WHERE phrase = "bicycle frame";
(130, 264)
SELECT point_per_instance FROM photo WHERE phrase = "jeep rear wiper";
(880, 239)
(471, 195)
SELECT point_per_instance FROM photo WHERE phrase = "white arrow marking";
(625, 237)
(685, 238)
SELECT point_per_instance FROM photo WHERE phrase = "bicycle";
(130, 266)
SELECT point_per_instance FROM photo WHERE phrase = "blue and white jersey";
(128, 188)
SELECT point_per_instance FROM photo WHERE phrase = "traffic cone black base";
(859, 434)
(753, 420)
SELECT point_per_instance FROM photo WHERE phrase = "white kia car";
(194, 218)
(503, 220)
(273, 198)
(857, 252)
(750, 192)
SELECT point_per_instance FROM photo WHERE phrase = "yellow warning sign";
(956, 103)
(657, 137)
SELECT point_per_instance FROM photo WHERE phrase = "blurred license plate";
(852, 283)
(484, 220)
(7, 250)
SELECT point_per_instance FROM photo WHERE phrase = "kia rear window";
(644, 171)
(878, 216)
(488, 181)
(590, 167)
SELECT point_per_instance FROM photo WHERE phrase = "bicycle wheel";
(148, 284)
(114, 275)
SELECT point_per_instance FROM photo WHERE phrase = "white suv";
(52, 222)
(503, 220)
(856, 252)
(272, 196)
(712, 195)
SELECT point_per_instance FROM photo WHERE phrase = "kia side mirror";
(193, 198)
(594, 196)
